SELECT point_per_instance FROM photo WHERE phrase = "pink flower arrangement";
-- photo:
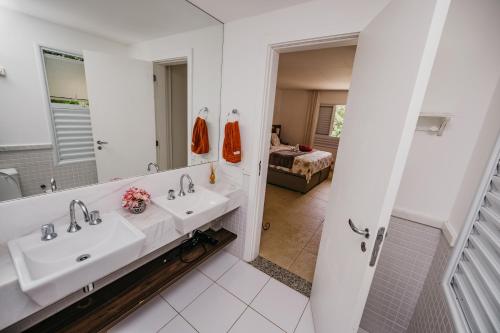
(133, 196)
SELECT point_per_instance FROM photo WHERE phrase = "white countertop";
(156, 223)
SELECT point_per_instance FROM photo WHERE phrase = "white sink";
(49, 270)
(194, 209)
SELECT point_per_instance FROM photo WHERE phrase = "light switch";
(3, 72)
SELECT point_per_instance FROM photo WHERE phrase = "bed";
(296, 170)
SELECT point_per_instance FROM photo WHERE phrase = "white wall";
(463, 80)
(333, 96)
(205, 46)
(476, 168)
(23, 114)
(290, 112)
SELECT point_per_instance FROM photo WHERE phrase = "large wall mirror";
(92, 91)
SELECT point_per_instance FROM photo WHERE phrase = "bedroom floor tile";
(304, 265)
(313, 245)
(296, 219)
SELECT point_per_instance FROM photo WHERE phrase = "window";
(69, 106)
(330, 120)
(325, 116)
(337, 121)
(472, 280)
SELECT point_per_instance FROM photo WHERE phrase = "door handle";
(361, 232)
(99, 142)
(376, 247)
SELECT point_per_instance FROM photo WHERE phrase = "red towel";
(199, 141)
(231, 149)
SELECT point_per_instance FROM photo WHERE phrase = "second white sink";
(194, 209)
(51, 270)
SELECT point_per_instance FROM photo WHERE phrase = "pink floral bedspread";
(307, 164)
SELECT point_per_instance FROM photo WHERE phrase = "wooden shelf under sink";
(112, 303)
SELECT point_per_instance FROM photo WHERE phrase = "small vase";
(140, 208)
(212, 174)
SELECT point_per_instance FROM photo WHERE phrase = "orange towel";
(231, 149)
(199, 141)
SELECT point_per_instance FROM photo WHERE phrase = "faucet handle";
(95, 217)
(171, 195)
(48, 232)
(191, 188)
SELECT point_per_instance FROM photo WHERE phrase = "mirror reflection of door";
(171, 114)
(120, 91)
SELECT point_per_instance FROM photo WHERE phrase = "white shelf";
(432, 123)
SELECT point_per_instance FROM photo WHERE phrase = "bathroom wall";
(204, 48)
(464, 77)
(431, 313)
(490, 131)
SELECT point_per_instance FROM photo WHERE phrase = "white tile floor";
(223, 295)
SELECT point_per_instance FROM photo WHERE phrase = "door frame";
(181, 57)
(167, 94)
(258, 183)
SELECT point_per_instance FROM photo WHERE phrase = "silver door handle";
(365, 232)
(376, 247)
(99, 142)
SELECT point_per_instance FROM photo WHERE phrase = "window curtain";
(312, 118)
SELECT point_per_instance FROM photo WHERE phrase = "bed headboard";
(276, 129)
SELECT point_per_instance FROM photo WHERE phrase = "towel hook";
(203, 109)
(233, 112)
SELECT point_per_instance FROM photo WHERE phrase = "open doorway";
(171, 114)
(309, 108)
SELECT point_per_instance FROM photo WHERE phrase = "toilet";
(10, 186)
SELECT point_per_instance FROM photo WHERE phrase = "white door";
(121, 98)
(391, 70)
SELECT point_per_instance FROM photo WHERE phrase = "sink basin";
(50, 270)
(194, 209)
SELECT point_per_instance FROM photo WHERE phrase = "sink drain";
(189, 212)
(83, 257)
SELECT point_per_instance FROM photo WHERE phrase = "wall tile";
(36, 167)
(403, 265)
(431, 313)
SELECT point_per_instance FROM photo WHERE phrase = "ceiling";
(230, 10)
(126, 21)
(321, 69)
(132, 21)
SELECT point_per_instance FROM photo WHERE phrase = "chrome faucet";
(73, 224)
(48, 232)
(150, 164)
(190, 186)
